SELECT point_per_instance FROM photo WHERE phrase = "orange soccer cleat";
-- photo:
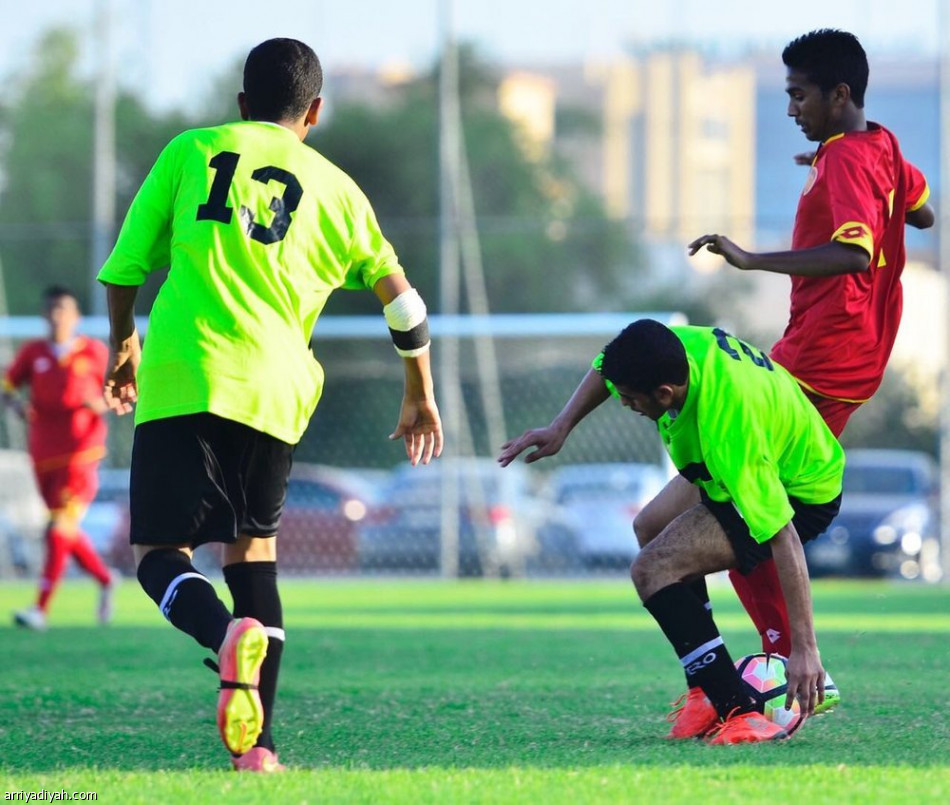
(240, 713)
(746, 728)
(259, 760)
(692, 716)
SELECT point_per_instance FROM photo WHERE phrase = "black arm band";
(408, 340)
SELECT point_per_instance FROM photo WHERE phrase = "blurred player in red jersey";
(64, 373)
(845, 263)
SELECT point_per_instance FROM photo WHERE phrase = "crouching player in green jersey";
(739, 427)
(258, 229)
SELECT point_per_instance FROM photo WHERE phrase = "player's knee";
(651, 571)
(641, 574)
(140, 552)
(251, 549)
(643, 529)
(65, 522)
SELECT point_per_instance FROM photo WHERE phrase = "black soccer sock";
(185, 597)
(698, 586)
(701, 591)
(253, 586)
(689, 626)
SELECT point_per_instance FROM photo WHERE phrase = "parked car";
(889, 522)
(322, 514)
(317, 529)
(498, 518)
(601, 501)
(23, 516)
(106, 521)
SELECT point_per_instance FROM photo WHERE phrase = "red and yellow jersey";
(841, 328)
(63, 430)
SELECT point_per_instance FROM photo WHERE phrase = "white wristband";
(407, 322)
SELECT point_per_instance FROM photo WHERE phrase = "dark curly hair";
(644, 356)
(282, 77)
(830, 57)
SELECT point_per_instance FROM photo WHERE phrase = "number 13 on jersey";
(216, 207)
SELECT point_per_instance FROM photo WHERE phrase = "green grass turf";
(420, 692)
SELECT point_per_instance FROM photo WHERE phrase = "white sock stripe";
(169, 598)
(697, 653)
(276, 633)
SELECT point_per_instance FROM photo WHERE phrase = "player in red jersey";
(65, 374)
(845, 263)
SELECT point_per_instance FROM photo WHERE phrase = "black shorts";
(810, 520)
(201, 478)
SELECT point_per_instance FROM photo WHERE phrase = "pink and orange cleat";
(240, 713)
(258, 759)
(692, 716)
(745, 728)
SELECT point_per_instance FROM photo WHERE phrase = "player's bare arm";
(921, 218)
(805, 158)
(419, 426)
(805, 674)
(97, 404)
(125, 350)
(590, 393)
(827, 260)
(14, 402)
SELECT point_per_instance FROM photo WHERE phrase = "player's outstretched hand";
(547, 441)
(121, 390)
(721, 245)
(96, 404)
(806, 680)
(420, 427)
(18, 406)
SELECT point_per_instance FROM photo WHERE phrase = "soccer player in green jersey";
(257, 229)
(739, 427)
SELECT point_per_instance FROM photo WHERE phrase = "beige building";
(671, 142)
(530, 100)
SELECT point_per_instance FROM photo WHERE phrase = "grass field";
(543, 692)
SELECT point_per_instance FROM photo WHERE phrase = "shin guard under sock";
(185, 597)
(701, 591)
(689, 627)
(57, 554)
(253, 587)
(90, 561)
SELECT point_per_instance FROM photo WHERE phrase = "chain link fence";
(355, 506)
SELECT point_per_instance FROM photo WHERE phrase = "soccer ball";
(763, 677)
(831, 689)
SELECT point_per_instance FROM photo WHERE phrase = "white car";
(22, 515)
(498, 519)
(109, 511)
(601, 501)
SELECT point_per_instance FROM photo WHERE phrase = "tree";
(46, 198)
(44, 208)
(894, 417)
(545, 239)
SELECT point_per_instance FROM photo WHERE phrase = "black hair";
(282, 77)
(644, 356)
(52, 292)
(829, 57)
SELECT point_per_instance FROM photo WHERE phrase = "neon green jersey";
(747, 433)
(258, 229)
